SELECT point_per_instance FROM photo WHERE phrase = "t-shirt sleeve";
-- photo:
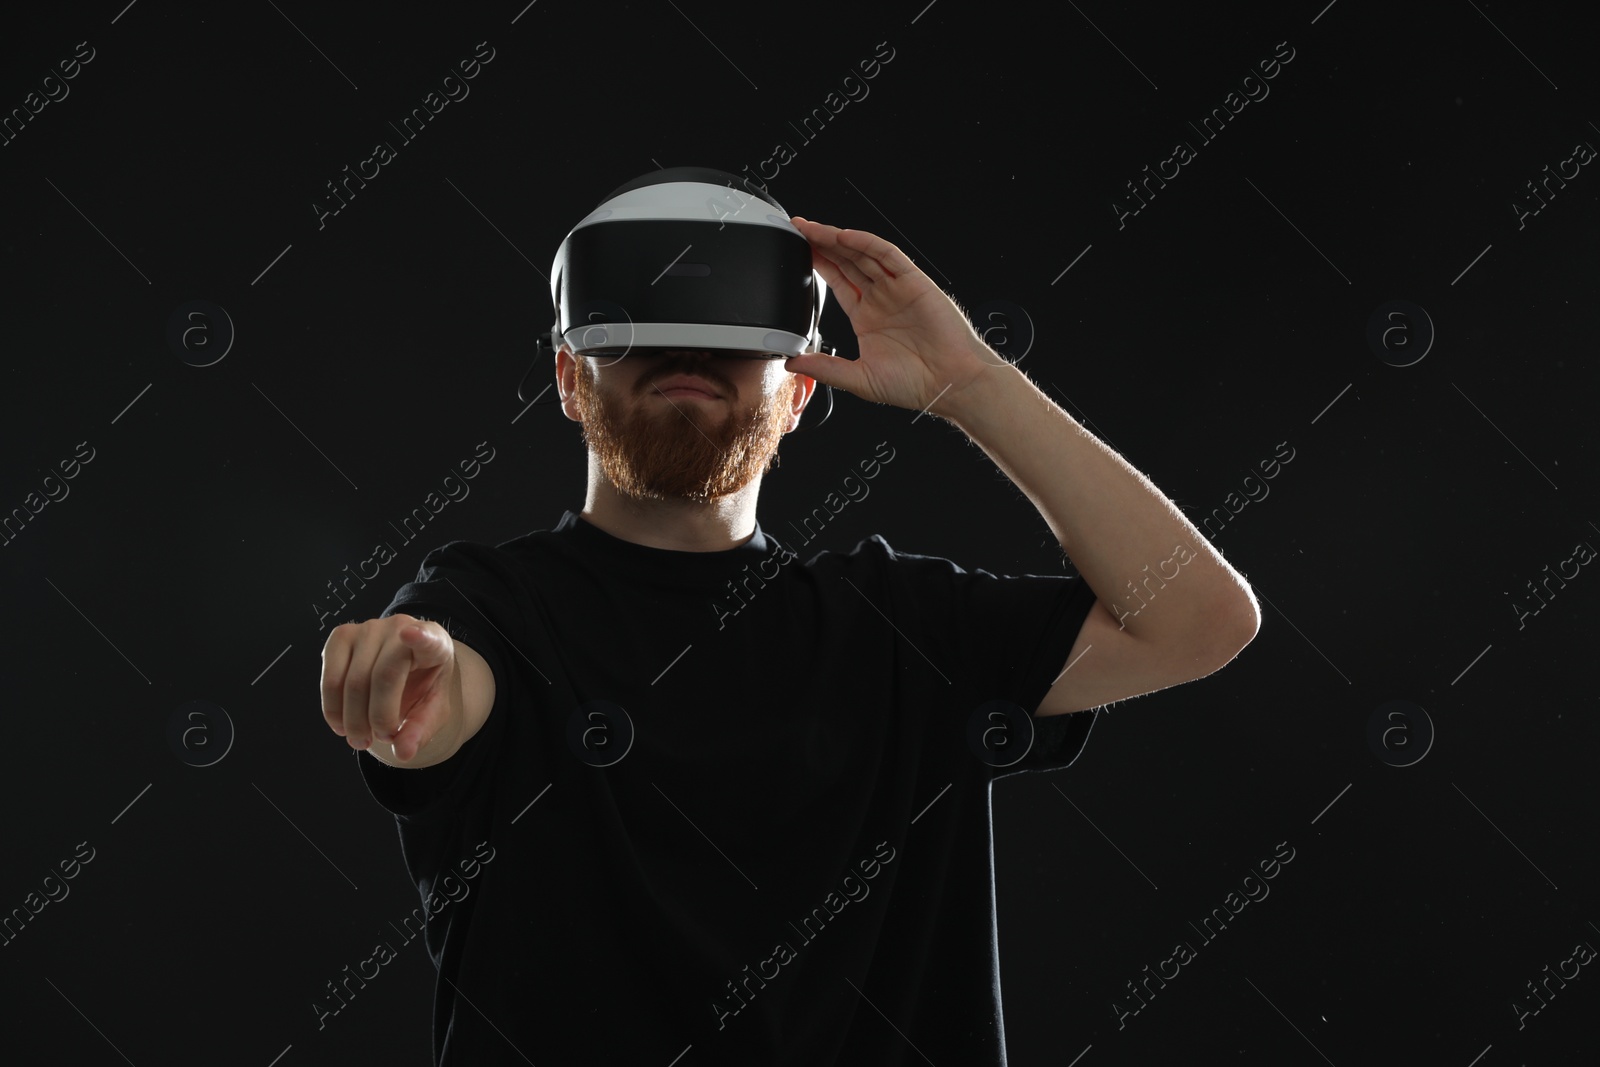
(467, 589)
(1001, 638)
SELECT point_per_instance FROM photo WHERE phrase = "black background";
(1229, 315)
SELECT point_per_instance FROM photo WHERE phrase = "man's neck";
(676, 524)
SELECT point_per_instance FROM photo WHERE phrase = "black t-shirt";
(725, 802)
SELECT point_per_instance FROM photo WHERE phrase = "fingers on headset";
(835, 278)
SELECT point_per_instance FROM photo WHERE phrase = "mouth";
(685, 385)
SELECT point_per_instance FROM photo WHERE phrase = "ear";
(804, 387)
(566, 381)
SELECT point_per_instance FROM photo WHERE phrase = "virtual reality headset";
(685, 259)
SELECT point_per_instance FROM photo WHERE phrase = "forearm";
(1145, 561)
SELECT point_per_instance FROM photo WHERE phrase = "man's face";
(655, 444)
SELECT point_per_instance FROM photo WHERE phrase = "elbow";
(1243, 619)
(1250, 626)
(1231, 631)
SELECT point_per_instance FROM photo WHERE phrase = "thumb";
(836, 371)
(430, 645)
